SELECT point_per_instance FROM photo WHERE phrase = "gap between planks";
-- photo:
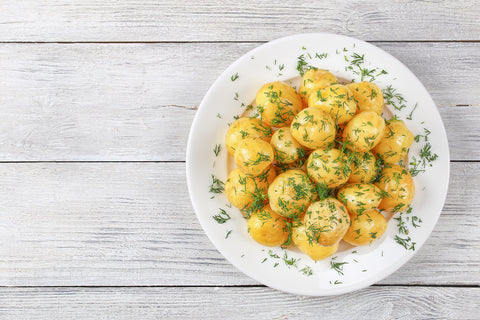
(220, 42)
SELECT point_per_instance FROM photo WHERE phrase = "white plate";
(277, 60)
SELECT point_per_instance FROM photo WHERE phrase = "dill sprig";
(337, 266)
(222, 217)
(217, 185)
(217, 149)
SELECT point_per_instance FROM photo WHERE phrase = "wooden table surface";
(96, 101)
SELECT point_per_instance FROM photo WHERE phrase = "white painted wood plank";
(117, 101)
(72, 224)
(207, 20)
(237, 303)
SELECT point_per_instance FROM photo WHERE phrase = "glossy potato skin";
(326, 222)
(368, 96)
(364, 131)
(337, 100)
(396, 142)
(267, 227)
(312, 249)
(328, 167)
(253, 156)
(277, 103)
(365, 167)
(313, 128)
(399, 185)
(291, 193)
(287, 149)
(359, 197)
(314, 80)
(365, 228)
(246, 127)
(241, 189)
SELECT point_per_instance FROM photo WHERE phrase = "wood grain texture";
(123, 102)
(150, 20)
(383, 303)
(77, 224)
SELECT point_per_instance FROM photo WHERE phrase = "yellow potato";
(364, 131)
(364, 167)
(359, 197)
(313, 128)
(313, 80)
(365, 228)
(291, 193)
(312, 249)
(267, 227)
(329, 167)
(397, 182)
(368, 96)
(336, 100)
(278, 103)
(253, 156)
(326, 222)
(395, 143)
(287, 149)
(246, 128)
(243, 190)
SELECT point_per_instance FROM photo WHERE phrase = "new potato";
(267, 227)
(326, 221)
(398, 184)
(312, 249)
(364, 131)
(253, 156)
(365, 167)
(313, 80)
(365, 228)
(359, 197)
(291, 193)
(287, 149)
(368, 96)
(246, 127)
(396, 142)
(313, 128)
(277, 103)
(241, 190)
(337, 100)
(328, 167)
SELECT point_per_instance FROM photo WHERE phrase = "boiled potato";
(326, 222)
(246, 128)
(359, 197)
(313, 128)
(364, 131)
(243, 190)
(395, 143)
(253, 156)
(368, 96)
(312, 249)
(336, 100)
(328, 167)
(267, 227)
(313, 80)
(365, 228)
(278, 103)
(365, 167)
(287, 149)
(398, 184)
(291, 193)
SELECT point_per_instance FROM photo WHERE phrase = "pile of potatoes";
(319, 165)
